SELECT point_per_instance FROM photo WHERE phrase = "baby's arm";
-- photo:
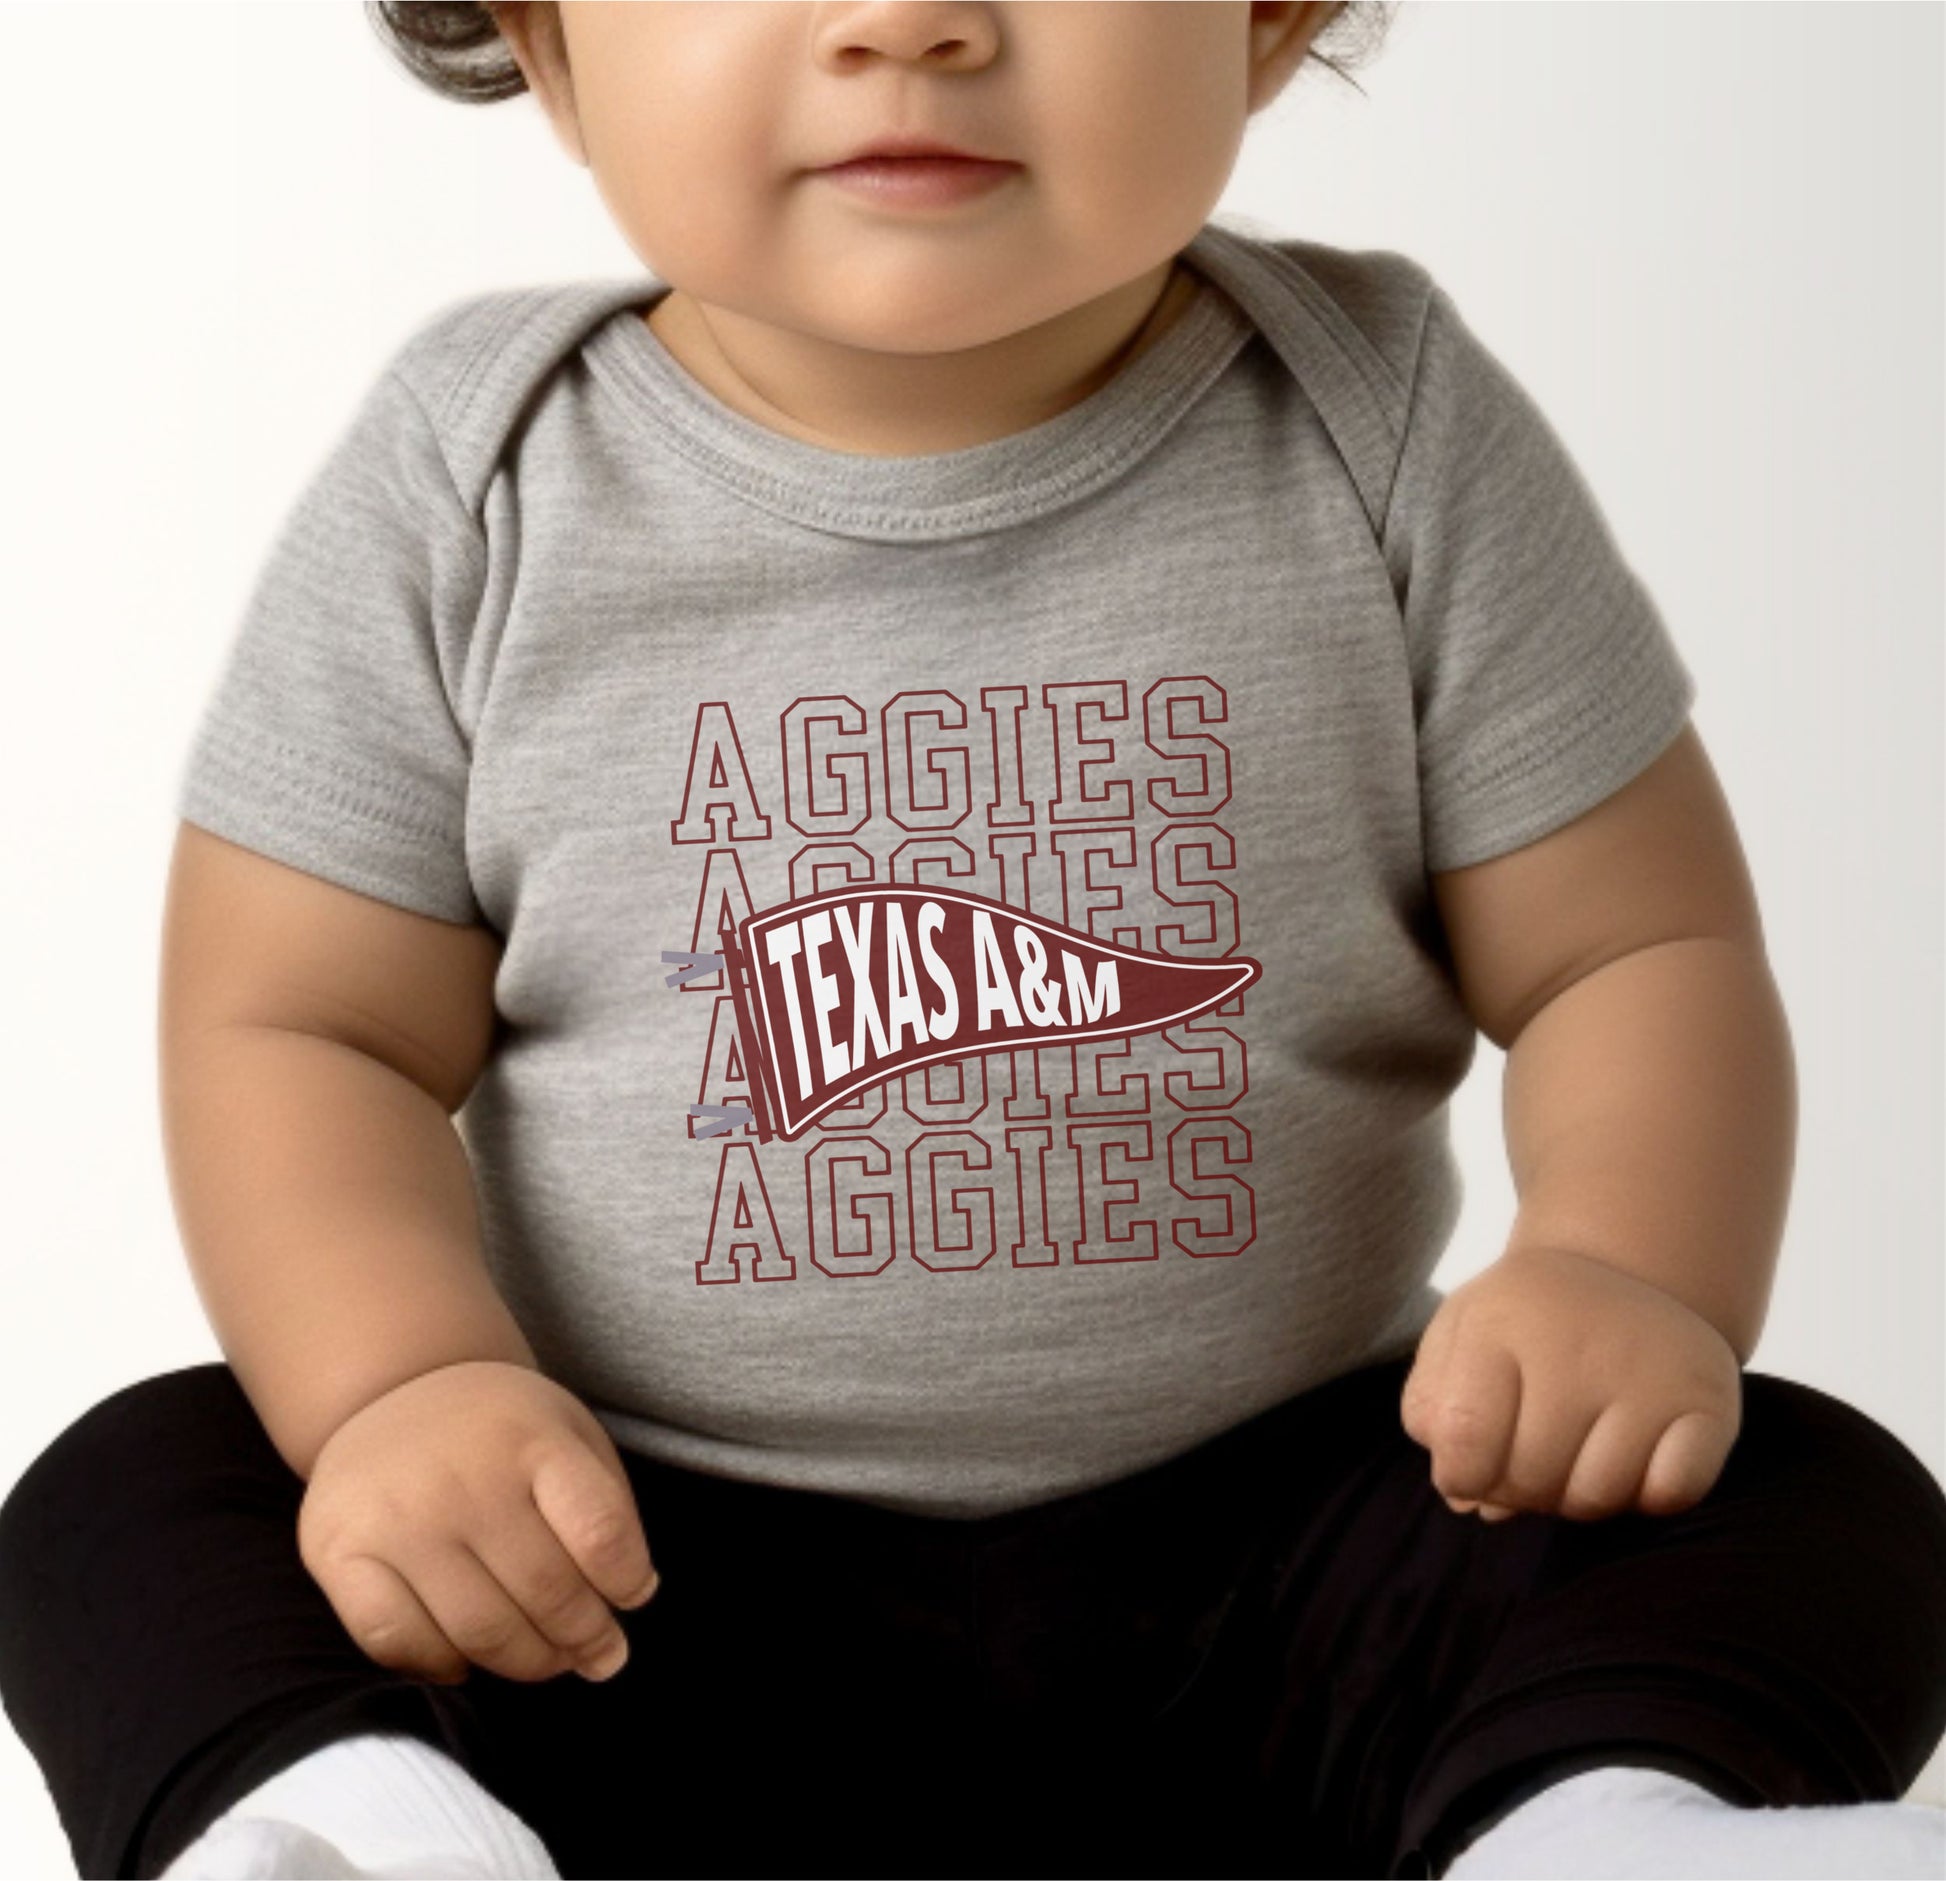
(1650, 1103)
(460, 1507)
(314, 1045)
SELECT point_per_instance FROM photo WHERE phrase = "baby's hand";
(478, 1513)
(1555, 1383)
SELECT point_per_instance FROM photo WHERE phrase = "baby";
(820, 936)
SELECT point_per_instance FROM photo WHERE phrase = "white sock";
(1624, 1821)
(246, 1848)
(379, 1803)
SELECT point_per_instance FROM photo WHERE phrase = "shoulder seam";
(1342, 368)
(471, 522)
(1370, 364)
(1411, 405)
(466, 381)
(478, 364)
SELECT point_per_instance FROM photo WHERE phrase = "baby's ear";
(533, 34)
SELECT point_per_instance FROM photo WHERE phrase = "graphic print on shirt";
(982, 925)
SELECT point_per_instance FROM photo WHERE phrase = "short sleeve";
(1544, 677)
(330, 742)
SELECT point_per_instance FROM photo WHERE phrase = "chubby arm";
(314, 1044)
(1650, 1109)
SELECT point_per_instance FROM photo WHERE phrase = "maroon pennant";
(838, 992)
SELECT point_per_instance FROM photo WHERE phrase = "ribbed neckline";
(935, 494)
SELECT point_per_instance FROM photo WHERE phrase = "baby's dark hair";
(454, 47)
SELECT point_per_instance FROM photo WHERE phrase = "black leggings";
(1279, 1653)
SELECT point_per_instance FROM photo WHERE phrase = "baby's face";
(705, 124)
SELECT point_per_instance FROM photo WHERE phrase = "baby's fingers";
(1687, 1461)
(1467, 1415)
(593, 1514)
(524, 1555)
(477, 1612)
(1487, 1511)
(390, 1619)
(1612, 1461)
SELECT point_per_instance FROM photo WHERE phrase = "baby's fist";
(477, 1514)
(1556, 1383)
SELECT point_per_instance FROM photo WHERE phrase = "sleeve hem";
(1559, 767)
(377, 797)
(315, 816)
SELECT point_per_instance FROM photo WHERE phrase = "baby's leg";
(1396, 1679)
(163, 1650)
(794, 1700)
(1768, 1669)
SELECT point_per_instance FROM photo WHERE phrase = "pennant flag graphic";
(838, 992)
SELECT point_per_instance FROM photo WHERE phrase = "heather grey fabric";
(1212, 667)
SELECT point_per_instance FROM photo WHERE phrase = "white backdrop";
(1708, 238)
